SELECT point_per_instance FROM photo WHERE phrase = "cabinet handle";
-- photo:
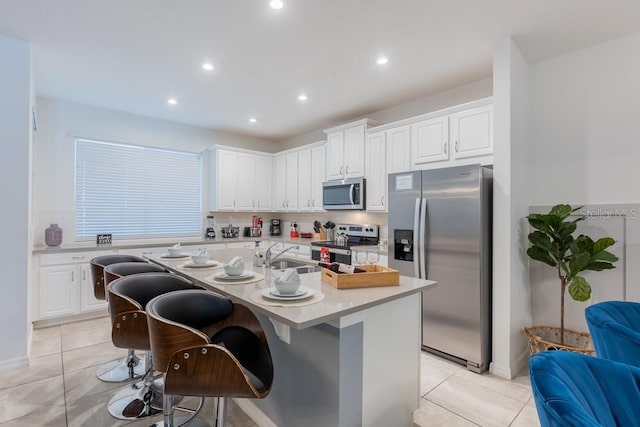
(258, 203)
(457, 146)
(77, 257)
(382, 200)
(313, 203)
(253, 203)
(84, 275)
(340, 170)
(234, 203)
(308, 203)
(73, 276)
(346, 171)
(445, 148)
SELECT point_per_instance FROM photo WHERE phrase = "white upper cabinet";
(240, 180)
(398, 149)
(226, 180)
(346, 150)
(430, 141)
(376, 172)
(285, 186)
(318, 162)
(472, 132)
(292, 181)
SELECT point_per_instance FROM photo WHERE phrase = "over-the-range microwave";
(344, 194)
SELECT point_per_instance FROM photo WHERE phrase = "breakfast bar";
(345, 357)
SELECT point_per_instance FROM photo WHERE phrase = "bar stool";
(127, 297)
(214, 348)
(131, 367)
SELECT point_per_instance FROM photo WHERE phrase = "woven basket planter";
(544, 338)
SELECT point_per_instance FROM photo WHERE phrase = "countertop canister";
(53, 235)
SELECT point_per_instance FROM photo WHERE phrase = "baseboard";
(521, 362)
(44, 323)
(510, 372)
(499, 370)
(254, 412)
(18, 362)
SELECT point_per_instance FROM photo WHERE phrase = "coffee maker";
(274, 228)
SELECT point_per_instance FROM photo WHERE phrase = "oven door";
(335, 255)
(345, 194)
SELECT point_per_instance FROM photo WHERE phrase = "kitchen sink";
(302, 266)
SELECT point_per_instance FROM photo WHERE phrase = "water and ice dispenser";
(403, 245)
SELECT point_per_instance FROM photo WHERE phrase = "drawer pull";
(77, 257)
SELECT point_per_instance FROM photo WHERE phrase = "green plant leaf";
(599, 266)
(602, 244)
(578, 262)
(542, 240)
(604, 256)
(539, 254)
(579, 289)
(539, 222)
(561, 211)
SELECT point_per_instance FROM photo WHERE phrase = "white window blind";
(136, 192)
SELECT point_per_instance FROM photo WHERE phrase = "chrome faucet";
(267, 255)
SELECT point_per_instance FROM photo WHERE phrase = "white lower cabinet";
(65, 286)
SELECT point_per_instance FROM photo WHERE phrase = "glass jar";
(53, 235)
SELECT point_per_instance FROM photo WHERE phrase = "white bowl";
(287, 288)
(175, 251)
(234, 270)
(200, 259)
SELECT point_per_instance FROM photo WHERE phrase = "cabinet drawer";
(72, 257)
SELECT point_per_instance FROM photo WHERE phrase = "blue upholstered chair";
(572, 389)
(615, 331)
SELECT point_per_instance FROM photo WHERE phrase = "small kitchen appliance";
(356, 235)
(230, 232)
(274, 228)
(210, 232)
(293, 229)
(344, 194)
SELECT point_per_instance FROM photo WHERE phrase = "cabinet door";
(292, 182)
(58, 290)
(398, 150)
(317, 177)
(246, 174)
(279, 182)
(430, 141)
(376, 172)
(335, 144)
(472, 132)
(227, 181)
(88, 302)
(262, 183)
(304, 180)
(354, 152)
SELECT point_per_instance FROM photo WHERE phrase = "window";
(136, 192)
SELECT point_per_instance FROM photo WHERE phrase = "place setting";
(235, 273)
(287, 292)
(200, 261)
(175, 253)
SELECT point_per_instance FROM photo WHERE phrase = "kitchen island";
(351, 359)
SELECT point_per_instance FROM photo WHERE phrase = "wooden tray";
(376, 275)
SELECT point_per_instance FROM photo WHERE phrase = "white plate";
(247, 274)
(167, 256)
(301, 293)
(191, 264)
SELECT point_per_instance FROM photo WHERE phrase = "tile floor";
(59, 388)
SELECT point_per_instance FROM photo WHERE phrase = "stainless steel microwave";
(344, 194)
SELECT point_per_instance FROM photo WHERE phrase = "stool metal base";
(122, 370)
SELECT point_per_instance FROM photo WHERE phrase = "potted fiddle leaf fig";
(553, 243)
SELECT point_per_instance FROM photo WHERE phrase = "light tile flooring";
(59, 388)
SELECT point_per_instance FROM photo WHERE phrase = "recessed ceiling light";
(276, 4)
(382, 60)
(302, 97)
(252, 120)
(207, 66)
(172, 101)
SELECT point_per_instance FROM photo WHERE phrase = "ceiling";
(133, 55)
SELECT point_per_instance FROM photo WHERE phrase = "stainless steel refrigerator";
(440, 229)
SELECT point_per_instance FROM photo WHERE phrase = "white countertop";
(337, 302)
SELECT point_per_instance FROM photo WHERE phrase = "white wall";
(585, 134)
(511, 307)
(60, 121)
(15, 170)
(585, 128)
(456, 96)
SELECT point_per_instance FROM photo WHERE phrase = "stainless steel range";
(348, 236)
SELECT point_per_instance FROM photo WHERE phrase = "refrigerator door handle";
(417, 255)
(423, 238)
